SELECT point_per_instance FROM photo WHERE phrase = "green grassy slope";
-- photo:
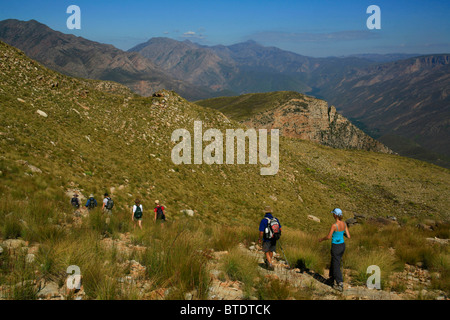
(242, 107)
(100, 135)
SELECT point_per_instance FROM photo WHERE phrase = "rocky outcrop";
(312, 119)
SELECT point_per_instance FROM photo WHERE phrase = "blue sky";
(313, 28)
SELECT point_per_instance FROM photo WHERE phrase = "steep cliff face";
(405, 100)
(312, 119)
(296, 116)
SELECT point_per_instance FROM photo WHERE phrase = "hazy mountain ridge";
(407, 98)
(79, 57)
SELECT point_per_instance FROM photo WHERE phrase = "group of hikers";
(108, 204)
(270, 233)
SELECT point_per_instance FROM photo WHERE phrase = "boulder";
(30, 258)
(440, 241)
(41, 113)
(313, 218)
(188, 212)
(351, 221)
(423, 226)
(14, 243)
(50, 290)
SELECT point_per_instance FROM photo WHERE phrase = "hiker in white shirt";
(136, 214)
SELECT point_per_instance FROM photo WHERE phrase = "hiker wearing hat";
(75, 202)
(269, 233)
(91, 202)
(136, 213)
(336, 235)
(159, 212)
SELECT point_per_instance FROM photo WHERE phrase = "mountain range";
(79, 57)
(401, 100)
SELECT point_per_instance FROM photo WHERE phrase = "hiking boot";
(339, 287)
(271, 267)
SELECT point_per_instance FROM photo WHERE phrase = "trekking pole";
(289, 265)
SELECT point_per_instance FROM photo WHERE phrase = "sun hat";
(337, 212)
(156, 201)
(267, 209)
(91, 195)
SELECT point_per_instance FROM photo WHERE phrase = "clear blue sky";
(314, 27)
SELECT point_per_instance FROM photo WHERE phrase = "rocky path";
(233, 290)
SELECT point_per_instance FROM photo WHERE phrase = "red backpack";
(272, 230)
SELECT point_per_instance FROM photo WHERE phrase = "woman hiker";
(136, 214)
(337, 248)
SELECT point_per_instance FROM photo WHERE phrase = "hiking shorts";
(108, 211)
(269, 246)
(137, 219)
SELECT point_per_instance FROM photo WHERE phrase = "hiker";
(159, 213)
(336, 235)
(269, 233)
(136, 214)
(108, 204)
(75, 201)
(91, 202)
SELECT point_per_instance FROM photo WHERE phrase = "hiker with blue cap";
(336, 235)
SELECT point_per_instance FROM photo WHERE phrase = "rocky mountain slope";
(407, 99)
(84, 116)
(61, 135)
(401, 102)
(296, 116)
(244, 67)
(79, 57)
(404, 98)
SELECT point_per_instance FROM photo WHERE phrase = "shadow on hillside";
(303, 269)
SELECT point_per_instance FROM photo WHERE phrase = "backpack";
(272, 231)
(75, 202)
(138, 212)
(160, 213)
(92, 203)
(109, 204)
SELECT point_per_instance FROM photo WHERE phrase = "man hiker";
(159, 213)
(337, 248)
(136, 213)
(107, 204)
(75, 201)
(269, 233)
(91, 202)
